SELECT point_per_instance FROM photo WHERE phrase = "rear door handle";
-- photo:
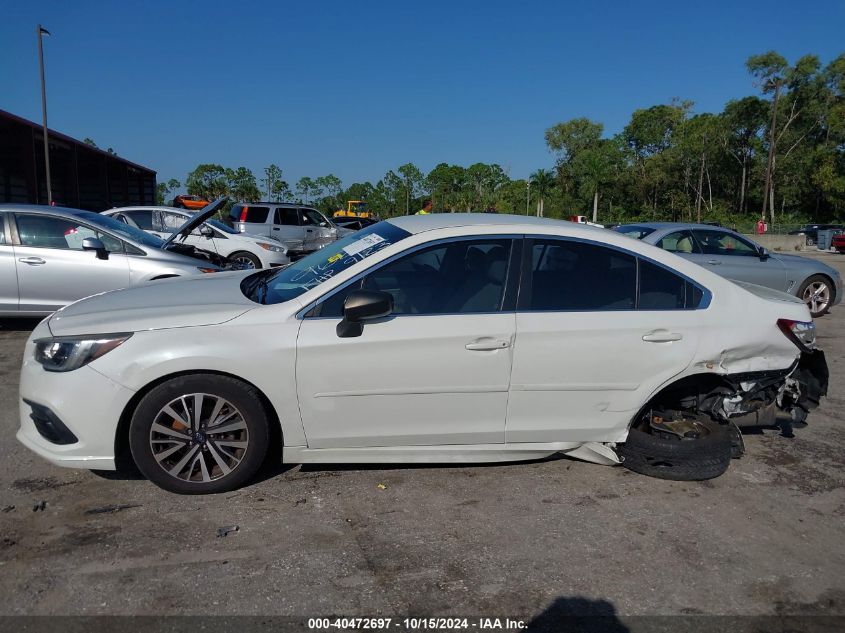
(487, 345)
(662, 336)
(713, 262)
(276, 228)
(34, 261)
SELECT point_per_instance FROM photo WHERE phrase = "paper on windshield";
(368, 241)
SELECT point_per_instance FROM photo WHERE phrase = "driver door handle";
(713, 262)
(34, 261)
(662, 336)
(487, 345)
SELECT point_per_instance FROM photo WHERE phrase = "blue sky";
(357, 88)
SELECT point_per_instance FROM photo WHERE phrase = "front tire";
(819, 293)
(247, 260)
(200, 434)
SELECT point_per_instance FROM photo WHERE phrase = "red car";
(838, 242)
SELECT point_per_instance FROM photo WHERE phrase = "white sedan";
(435, 338)
(205, 233)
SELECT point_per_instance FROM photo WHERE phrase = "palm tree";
(542, 181)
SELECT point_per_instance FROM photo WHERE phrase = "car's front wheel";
(200, 434)
(245, 260)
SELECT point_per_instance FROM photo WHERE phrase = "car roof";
(43, 208)
(140, 207)
(431, 221)
(674, 225)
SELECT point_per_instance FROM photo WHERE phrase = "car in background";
(437, 338)
(353, 223)
(53, 256)
(811, 231)
(838, 242)
(736, 257)
(194, 203)
(286, 222)
(243, 250)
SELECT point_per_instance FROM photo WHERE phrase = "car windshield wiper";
(257, 286)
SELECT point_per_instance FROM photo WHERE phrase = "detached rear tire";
(705, 457)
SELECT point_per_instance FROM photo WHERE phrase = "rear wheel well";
(123, 456)
(684, 393)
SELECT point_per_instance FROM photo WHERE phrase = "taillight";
(243, 213)
(802, 333)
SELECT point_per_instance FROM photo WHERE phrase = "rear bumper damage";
(753, 398)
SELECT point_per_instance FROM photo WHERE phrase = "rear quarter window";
(249, 213)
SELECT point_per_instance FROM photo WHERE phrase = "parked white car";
(435, 338)
(212, 235)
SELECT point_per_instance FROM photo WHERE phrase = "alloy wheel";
(245, 263)
(199, 437)
(817, 296)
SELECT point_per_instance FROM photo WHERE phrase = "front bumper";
(86, 402)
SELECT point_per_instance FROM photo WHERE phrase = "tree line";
(779, 155)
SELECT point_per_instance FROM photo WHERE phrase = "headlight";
(66, 353)
(273, 248)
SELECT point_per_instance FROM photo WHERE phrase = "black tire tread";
(675, 459)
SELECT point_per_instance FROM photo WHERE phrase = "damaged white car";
(432, 338)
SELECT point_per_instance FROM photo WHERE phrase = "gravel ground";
(764, 539)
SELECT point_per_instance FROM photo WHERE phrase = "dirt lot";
(766, 538)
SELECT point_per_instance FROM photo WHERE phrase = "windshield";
(126, 230)
(632, 230)
(217, 224)
(279, 285)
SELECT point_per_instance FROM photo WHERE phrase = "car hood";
(196, 219)
(169, 303)
(806, 262)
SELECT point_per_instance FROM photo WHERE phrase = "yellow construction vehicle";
(355, 209)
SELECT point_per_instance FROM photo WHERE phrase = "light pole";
(528, 196)
(41, 32)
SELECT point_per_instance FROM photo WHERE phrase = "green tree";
(208, 181)
(242, 185)
(272, 182)
(542, 182)
(164, 189)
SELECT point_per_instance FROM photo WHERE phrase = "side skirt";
(449, 454)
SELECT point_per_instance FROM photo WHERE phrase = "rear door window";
(661, 289)
(249, 213)
(172, 221)
(567, 275)
(286, 216)
(724, 243)
(143, 218)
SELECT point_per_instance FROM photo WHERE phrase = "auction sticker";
(363, 244)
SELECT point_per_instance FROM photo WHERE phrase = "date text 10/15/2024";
(416, 624)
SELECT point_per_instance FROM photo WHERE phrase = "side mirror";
(764, 254)
(360, 306)
(95, 244)
(206, 231)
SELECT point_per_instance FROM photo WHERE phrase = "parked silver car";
(288, 223)
(736, 257)
(53, 256)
